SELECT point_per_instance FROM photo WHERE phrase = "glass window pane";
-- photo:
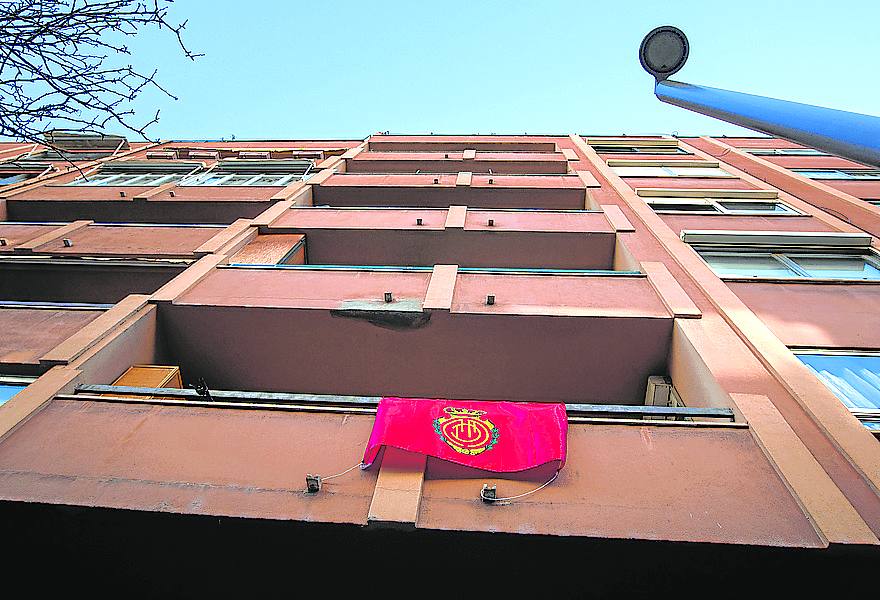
(270, 180)
(615, 149)
(209, 180)
(662, 150)
(638, 149)
(641, 171)
(822, 173)
(698, 171)
(15, 178)
(787, 152)
(838, 267)
(864, 174)
(239, 179)
(8, 390)
(764, 207)
(802, 152)
(855, 379)
(151, 178)
(92, 180)
(123, 179)
(684, 206)
(747, 265)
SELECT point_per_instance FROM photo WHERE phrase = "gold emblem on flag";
(466, 431)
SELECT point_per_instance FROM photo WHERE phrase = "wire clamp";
(488, 494)
(313, 484)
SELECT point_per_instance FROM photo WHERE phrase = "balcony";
(549, 192)
(374, 332)
(453, 143)
(507, 163)
(458, 235)
(31, 329)
(94, 263)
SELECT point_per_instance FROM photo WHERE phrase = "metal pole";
(850, 135)
(664, 52)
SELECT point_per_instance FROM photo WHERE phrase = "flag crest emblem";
(466, 431)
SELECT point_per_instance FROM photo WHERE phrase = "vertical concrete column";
(834, 518)
(34, 397)
(441, 287)
(398, 492)
(455, 217)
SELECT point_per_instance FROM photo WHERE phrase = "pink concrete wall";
(127, 241)
(816, 315)
(136, 211)
(587, 339)
(550, 192)
(18, 234)
(180, 459)
(859, 189)
(731, 494)
(28, 333)
(745, 223)
(527, 239)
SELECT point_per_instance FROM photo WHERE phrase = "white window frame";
(871, 415)
(657, 203)
(201, 180)
(667, 168)
(786, 152)
(785, 259)
(843, 174)
(125, 179)
(643, 149)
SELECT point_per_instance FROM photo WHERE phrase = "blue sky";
(275, 69)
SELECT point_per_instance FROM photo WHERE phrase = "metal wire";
(343, 472)
(509, 498)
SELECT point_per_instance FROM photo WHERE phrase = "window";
(9, 178)
(793, 264)
(149, 173)
(669, 171)
(54, 155)
(719, 206)
(249, 179)
(787, 152)
(10, 385)
(854, 378)
(839, 173)
(635, 149)
(127, 179)
(8, 390)
(239, 172)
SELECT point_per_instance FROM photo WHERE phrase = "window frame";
(125, 179)
(25, 176)
(717, 203)
(22, 381)
(786, 152)
(667, 169)
(864, 415)
(199, 179)
(843, 174)
(784, 258)
(640, 149)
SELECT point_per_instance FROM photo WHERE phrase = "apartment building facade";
(192, 327)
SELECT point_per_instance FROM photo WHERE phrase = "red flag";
(494, 436)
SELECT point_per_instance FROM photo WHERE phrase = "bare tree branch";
(57, 66)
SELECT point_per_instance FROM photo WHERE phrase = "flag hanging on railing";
(502, 437)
